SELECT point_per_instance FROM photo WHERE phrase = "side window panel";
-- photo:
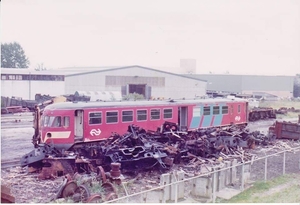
(111, 117)
(57, 122)
(196, 111)
(239, 108)
(168, 113)
(46, 121)
(225, 110)
(66, 122)
(127, 116)
(206, 110)
(141, 115)
(95, 118)
(216, 110)
(155, 114)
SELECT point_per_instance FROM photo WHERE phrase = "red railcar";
(69, 123)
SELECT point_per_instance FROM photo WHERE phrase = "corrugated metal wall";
(279, 85)
(162, 84)
(27, 89)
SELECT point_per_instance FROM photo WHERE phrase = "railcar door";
(183, 118)
(78, 125)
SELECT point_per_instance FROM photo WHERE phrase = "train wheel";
(94, 199)
(69, 189)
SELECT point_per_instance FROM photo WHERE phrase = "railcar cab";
(56, 128)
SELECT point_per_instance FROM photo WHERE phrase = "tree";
(13, 56)
(40, 67)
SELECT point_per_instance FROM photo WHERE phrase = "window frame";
(64, 121)
(107, 117)
(216, 107)
(137, 115)
(101, 118)
(151, 117)
(127, 116)
(164, 109)
(205, 112)
(224, 108)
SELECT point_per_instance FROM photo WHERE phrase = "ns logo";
(95, 132)
(237, 118)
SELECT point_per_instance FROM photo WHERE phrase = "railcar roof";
(83, 105)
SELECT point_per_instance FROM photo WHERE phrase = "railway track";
(10, 163)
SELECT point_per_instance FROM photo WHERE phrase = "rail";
(10, 163)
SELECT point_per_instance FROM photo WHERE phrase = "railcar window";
(46, 121)
(66, 121)
(239, 108)
(57, 122)
(216, 110)
(95, 118)
(127, 116)
(206, 110)
(196, 111)
(225, 110)
(168, 113)
(111, 117)
(141, 115)
(155, 114)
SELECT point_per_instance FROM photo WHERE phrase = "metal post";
(214, 185)
(176, 188)
(125, 191)
(29, 85)
(283, 163)
(266, 165)
(243, 180)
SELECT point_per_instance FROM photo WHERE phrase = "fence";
(230, 177)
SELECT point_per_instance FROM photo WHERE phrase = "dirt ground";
(26, 188)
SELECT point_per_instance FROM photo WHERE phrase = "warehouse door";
(142, 89)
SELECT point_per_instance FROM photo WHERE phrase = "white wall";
(175, 87)
(27, 89)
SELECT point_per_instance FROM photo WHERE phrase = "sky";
(257, 37)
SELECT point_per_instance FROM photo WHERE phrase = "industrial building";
(25, 83)
(268, 87)
(149, 82)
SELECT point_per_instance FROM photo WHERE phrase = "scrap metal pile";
(139, 149)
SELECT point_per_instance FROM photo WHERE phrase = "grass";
(280, 103)
(288, 115)
(282, 189)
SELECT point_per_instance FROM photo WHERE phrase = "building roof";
(128, 67)
(76, 71)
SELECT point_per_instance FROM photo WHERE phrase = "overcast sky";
(236, 36)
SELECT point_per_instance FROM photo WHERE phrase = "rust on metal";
(54, 167)
(95, 198)
(6, 196)
(286, 130)
(69, 189)
(101, 174)
(83, 192)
